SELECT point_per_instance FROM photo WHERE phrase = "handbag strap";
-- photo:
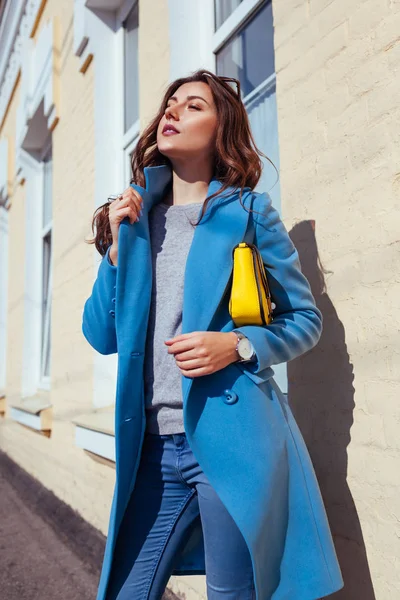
(249, 233)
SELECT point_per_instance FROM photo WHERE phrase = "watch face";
(245, 348)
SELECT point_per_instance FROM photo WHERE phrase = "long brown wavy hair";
(237, 161)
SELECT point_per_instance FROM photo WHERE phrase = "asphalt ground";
(47, 551)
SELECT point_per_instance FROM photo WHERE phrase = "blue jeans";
(170, 493)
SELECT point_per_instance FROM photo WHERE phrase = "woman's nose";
(170, 112)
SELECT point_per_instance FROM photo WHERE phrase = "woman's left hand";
(203, 352)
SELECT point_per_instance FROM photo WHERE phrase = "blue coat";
(238, 423)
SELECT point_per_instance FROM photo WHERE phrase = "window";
(131, 124)
(3, 290)
(223, 9)
(131, 68)
(246, 52)
(249, 54)
(4, 274)
(46, 238)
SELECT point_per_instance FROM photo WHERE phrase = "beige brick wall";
(337, 95)
(338, 107)
(153, 57)
(56, 461)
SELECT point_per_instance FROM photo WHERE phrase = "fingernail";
(137, 218)
(141, 211)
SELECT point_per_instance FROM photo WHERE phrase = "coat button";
(113, 300)
(230, 397)
(112, 313)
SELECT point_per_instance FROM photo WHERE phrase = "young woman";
(212, 473)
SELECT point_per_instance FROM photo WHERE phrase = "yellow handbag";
(250, 302)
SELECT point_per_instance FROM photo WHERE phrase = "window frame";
(229, 28)
(234, 23)
(130, 137)
(4, 276)
(45, 329)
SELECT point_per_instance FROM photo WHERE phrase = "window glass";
(131, 68)
(46, 306)
(249, 55)
(47, 190)
(223, 9)
(46, 262)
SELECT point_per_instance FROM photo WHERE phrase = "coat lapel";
(208, 265)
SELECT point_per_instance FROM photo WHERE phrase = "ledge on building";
(34, 412)
(95, 433)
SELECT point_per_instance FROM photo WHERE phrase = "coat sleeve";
(98, 318)
(297, 322)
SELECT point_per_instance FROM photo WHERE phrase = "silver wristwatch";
(244, 348)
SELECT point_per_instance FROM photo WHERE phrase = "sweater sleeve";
(98, 318)
(297, 322)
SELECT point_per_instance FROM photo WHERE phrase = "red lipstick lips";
(169, 129)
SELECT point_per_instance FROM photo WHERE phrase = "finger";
(188, 365)
(135, 201)
(136, 205)
(194, 372)
(181, 346)
(127, 211)
(182, 336)
(187, 355)
(126, 202)
(130, 196)
(135, 196)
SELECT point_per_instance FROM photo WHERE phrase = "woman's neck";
(168, 199)
(189, 186)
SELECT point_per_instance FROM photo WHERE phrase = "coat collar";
(157, 179)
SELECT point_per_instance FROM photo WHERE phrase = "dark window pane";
(131, 68)
(249, 55)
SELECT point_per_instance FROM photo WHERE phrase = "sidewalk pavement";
(47, 551)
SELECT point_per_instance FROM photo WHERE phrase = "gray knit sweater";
(171, 235)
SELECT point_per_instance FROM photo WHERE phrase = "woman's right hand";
(128, 204)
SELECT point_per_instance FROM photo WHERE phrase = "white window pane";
(46, 305)
(262, 111)
(223, 9)
(4, 277)
(249, 55)
(47, 191)
(46, 346)
(131, 68)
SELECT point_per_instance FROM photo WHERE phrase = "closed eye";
(190, 106)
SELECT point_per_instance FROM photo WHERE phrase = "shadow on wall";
(321, 395)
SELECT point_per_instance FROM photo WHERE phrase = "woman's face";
(192, 112)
